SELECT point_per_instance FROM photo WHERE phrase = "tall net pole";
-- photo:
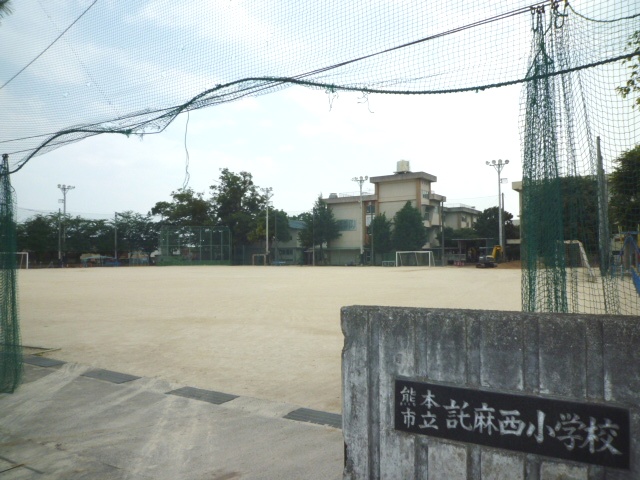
(10, 349)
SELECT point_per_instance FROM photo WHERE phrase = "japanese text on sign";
(590, 433)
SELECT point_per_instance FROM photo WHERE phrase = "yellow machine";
(486, 260)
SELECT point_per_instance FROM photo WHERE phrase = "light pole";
(115, 236)
(499, 165)
(313, 238)
(268, 195)
(373, 253)
(442, 231)
(360, 180)
(64, 189)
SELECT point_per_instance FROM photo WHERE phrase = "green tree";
(488, 221)
(624, 184)
(380, 229)
(39, 236)
(580, 210)
(83, 235)
(461, 233)
(237, 203)
(320, 227)
(136, 232)
(187, 208)
(633, 84)
(409, 233)
(5, 8)
(278, 227)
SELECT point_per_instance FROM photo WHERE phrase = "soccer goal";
(418, 258)
(584, 260)
(259, 259)
(21, 258)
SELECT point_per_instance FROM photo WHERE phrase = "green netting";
(197, 245)
(10, 349)
(575, 126)
(70, 70)
(75, 69)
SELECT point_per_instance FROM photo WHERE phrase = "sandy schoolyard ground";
(266, 332)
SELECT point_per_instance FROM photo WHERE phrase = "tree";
(187, 208)
(5, 8)
(237, 204)
(278, 227)
(624, 184)
(409, 233)
(39, 235)
(488, 222)
(136, 232)
(461, 233)
(380, 229)
(83, 235)
(580, 210)
(320, 227)
(633, 84)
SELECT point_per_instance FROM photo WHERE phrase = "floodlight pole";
(360, 180)
(499, 165)
(268, 195)
(64, 189)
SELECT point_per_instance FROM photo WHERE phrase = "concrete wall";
(581, 358)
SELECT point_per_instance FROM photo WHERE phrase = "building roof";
(462, 208)
(351, 199)
(296, 224)
(404, 176)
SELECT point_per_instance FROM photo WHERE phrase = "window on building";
(346, 225)
(427, 213)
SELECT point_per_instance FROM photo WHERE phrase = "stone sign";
(582, 432)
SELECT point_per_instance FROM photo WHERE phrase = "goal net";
(259, 259)
(416, 258)
(21, 259)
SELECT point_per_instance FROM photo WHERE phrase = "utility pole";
(115, 236)
(373, 253)
(268, 195)
(275, 235)
(313, 238)
(64, 189)
(444, 263)
(499, 165)
(360, 180)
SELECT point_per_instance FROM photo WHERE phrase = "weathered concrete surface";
(581, 358)
(62, 425)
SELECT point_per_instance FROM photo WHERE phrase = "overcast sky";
(298, 141)
(119, 59)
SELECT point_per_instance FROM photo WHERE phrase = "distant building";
(391, 193)
(290, 252)
(459, 216)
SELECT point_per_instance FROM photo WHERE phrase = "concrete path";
(69, 421)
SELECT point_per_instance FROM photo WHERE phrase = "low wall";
(465, 394)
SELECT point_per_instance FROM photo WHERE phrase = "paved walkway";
(69, 421)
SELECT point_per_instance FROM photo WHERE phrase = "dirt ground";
(265, 332)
